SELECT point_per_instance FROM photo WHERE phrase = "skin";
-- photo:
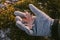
(29, 19)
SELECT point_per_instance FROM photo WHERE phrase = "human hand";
(26, 17)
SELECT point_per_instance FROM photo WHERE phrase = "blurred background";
(8, 29)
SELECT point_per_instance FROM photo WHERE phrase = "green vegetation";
(7, 17)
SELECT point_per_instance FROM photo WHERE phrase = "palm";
(29, 20)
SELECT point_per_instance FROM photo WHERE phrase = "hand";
(28, 19)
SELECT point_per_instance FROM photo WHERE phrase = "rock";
(2, 6)
(4, 33)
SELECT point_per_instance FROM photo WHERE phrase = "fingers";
(18, 18)
(20, 25)
(38, 12)
(19, 13)
(24, 28)
(34, 9)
